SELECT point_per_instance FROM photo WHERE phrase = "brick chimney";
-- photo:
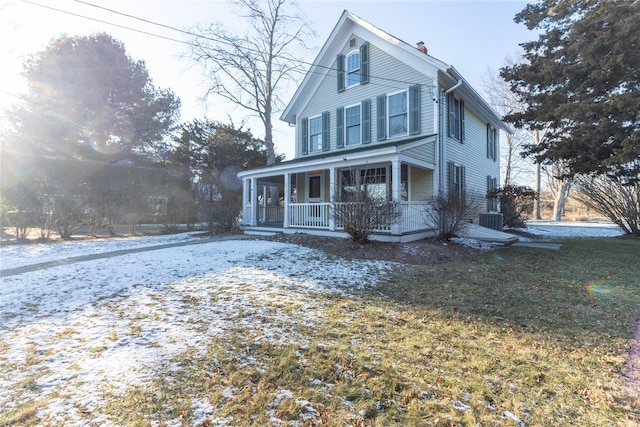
(421, 47)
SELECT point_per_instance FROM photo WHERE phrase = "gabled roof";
(350, 24)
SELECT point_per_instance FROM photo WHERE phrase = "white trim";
(346, 68)
(346, 143)
(307, 188)
(308, 141)
(406, 113)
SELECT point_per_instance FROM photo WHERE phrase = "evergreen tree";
(581, 79)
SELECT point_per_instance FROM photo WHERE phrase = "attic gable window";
(353, 68)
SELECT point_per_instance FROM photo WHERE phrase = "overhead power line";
(197, 36)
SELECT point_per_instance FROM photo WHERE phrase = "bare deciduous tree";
(559, 183)
(504, 101)
(248, 70)
(615, 198)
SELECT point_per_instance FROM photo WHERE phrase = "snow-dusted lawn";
(70, 331)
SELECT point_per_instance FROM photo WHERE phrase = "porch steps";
(485, 234)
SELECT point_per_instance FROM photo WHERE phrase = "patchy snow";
(566, 229)
(73, 334)
(99, 326)
(18, 255)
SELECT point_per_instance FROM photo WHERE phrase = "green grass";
(542, 334)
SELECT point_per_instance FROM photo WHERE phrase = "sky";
(474, 36)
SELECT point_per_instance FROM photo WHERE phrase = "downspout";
(442, 152)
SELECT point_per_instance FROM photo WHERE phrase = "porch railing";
(309, 215)
(413, 216)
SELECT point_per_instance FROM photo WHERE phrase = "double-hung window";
(353, 68)
(352, 125)
(456, 117)
(492, 197)
(456, 181)
(315, 134)
(398, 122)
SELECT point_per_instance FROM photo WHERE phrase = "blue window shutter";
(414, 109)
(340, 127)
(462, 121)
(366, 121)
(489, 154)
(325, 131)
(381, 116)
(340, 67)
(364, 63)
(304, 124)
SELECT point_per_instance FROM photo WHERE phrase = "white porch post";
(287, 199)
(254, 202)
(396, 228)
(265, 198)
(332, 197)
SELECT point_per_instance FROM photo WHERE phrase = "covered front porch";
(302, 197)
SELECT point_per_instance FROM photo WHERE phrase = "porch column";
(287, 199)
(396, 228)
(254, 202)
(333, 189)
(265, 199)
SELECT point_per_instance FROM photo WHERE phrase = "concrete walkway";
(539, 245)
(82, 258)
(484, 234)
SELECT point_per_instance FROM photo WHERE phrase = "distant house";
(374, 106)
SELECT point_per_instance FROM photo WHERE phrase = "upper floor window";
(398, 114)
(455, 108)
(492, 143)
(353, 68)
(352, 125)
(315, 134)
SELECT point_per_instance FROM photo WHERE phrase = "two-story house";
(374, 107)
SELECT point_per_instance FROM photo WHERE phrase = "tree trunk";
(561, 197)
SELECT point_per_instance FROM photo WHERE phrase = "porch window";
(404, 182)
(315, 134)
(352, 125)
(315, 187)
(371, 181)
(398, 114)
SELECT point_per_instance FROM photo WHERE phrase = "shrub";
(616, 198)
(515, 203)
(451, 214)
